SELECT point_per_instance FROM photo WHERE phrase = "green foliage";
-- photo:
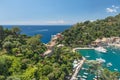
(108, 75)
(2, 77)
(29, 73)
(59, 65)
(6, 63)
(13, 78)
(15, 30)
(18, 53)
(23, 60)
(82, 34)
(21, 55)
(8, 46)
(15, 66)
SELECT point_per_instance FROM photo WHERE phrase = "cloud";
(34, 22)
(56, 22)
(112, 9)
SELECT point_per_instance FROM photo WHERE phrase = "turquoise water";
(112, 55)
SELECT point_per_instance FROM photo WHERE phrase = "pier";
(74, 49)
(77, 69)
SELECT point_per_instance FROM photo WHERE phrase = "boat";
(113, 52)
(83, 68)
(109, 64)
(85, 73)
(101, 49)
(82, 79)
(87, 56)
(75, 63)
(78, 76)
(84, 76)
(116, 69)
(100, 60)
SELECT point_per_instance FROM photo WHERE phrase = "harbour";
(110, 60)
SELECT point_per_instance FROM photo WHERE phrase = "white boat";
(101, 49)
(84, 76)
(100, 60)
(113, 52)
(78, 76)
(83, 68)
(109, 64)
(87, 56)
(116, 69)
(85, 73)
(82, 79)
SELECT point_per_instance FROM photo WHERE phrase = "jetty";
(74, 49)
(77, 69)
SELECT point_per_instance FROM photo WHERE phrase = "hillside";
(21, 58)
(82, 34)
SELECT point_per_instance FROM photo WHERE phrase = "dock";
(74, 49)
(77, 69)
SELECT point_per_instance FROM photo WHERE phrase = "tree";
(16, 30)
(7, 46)
(13, 78)
(29, 73)
(47, 69)
(1, 35)
(15, 66)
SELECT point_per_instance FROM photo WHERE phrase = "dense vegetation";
(101, 72)
(21, 58)
(82, 34)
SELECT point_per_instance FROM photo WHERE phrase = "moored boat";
(101, 49)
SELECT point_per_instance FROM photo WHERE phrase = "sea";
(111, 56)
(45, 30)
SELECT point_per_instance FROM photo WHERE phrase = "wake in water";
(42, 30)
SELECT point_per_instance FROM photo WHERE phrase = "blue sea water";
(111, 56)
(45, 30)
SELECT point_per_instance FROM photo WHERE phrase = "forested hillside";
(82, 34)
(21, 58)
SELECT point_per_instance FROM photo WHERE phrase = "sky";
(55, 12)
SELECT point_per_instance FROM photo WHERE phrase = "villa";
(114, 41)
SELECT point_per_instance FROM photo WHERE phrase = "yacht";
(116, 69)
(101, 49)
(109, 64)
(84, 76)
(100, 60)
(78, 76)
(113, 52)
(85, 73)
(87, 56)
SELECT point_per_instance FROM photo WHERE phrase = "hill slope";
(82, 34)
